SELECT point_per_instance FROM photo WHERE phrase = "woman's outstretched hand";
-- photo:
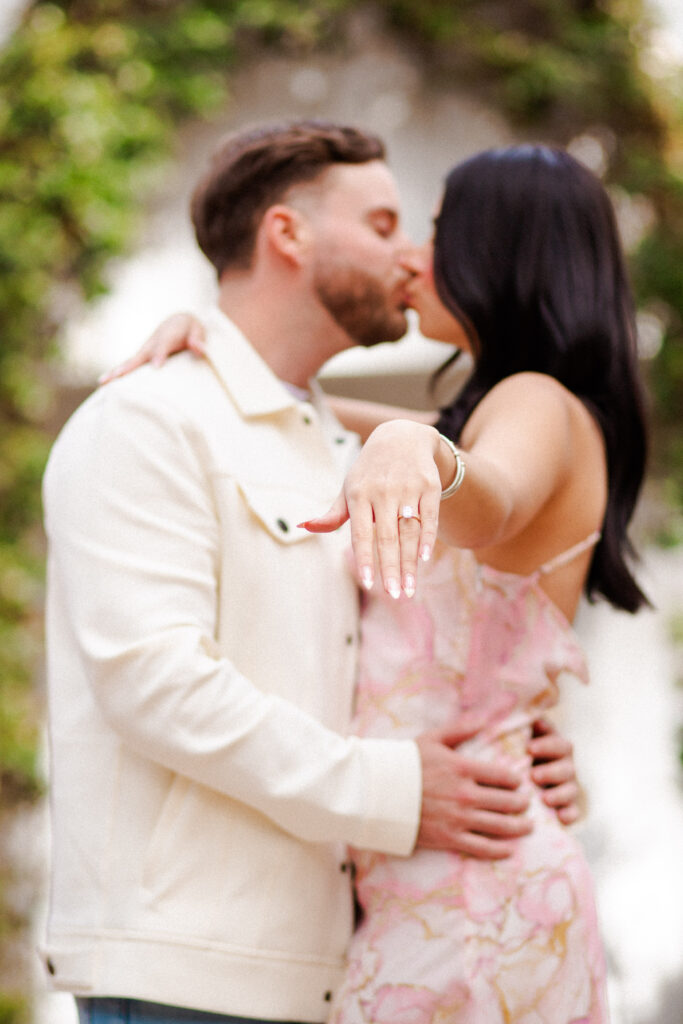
(391, 497)
(178, 332)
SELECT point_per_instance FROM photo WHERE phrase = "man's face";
(358, 244)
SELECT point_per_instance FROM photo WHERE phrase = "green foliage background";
(91, 96)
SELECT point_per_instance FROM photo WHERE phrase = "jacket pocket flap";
(279, 510)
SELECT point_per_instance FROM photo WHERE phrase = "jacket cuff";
(393, 797)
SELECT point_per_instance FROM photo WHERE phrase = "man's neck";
(292, 336)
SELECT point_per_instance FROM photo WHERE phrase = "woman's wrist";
(458, 470)
(449, 463)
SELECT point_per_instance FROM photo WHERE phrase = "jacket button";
(349, 638)
(284, 526)
(50, 967)
(307, 420)
(340, 440)
(328, 997)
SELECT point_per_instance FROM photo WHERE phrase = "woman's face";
(436, 320)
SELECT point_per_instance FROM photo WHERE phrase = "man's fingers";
(478, 833)
(562, 796)
(550, 747)
(542, 727)
(488, 774)
(494, 799)
(568, 815)
(485, 773)
(567, 801)
(553, 773)
(461, 841)
(508, 826)
(463, 728)
(483, 848)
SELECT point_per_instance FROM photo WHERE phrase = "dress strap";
(569, 555)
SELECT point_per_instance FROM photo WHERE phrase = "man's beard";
(359, 304)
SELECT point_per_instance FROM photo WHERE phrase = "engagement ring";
(408, 512)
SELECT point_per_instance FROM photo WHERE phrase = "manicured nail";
(393, 589)
(366, 577)
(408, 585)
(426, 553)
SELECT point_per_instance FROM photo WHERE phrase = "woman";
(526, 274)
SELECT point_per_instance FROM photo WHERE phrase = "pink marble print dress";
(448, 939)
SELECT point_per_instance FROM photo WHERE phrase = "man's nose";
(411, 258)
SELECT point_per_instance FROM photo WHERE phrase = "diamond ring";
(408, 512)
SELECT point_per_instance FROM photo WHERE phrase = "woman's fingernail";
(393, 589)
(408, 585)
(426, 553)
(366, 577)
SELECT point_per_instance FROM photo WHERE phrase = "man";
(201, 649)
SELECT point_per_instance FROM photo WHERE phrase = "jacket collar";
(249, 381)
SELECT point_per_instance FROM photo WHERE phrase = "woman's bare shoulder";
(531, 382)
(534, 397)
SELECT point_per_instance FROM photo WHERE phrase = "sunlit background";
(626, 725)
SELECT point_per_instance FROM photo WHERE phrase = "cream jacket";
(201, 658)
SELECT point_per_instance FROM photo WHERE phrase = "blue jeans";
(112, 1010)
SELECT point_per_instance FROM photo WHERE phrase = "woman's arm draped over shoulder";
(363, 416)
(183, 331)
(175, 334)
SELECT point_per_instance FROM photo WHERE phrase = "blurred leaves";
(566, 63)
(14, 1008)
(92, 91)
(91, 96)
(563, 69)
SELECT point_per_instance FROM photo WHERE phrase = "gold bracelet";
(449, 491)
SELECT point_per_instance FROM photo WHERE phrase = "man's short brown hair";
(252, 170)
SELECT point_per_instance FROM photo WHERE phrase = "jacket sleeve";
(134, 554)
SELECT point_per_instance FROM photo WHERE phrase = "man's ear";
(286, 231)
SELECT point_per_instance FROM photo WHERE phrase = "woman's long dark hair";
(527, 256)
